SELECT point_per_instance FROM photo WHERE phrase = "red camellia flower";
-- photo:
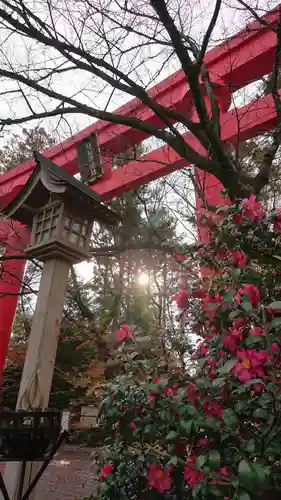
(222, 472)
(212, 409)
(253, 293)
(181, 298)
(159, 478)
(192, 393)
(124, 332)
(256, 331)
(191, 475)
(105, 471)
(231, 339)
(202, 349)
(238, 218)
(133, 425)
(239, 258)
(251, 364)
(180, 257)
(204, 441)
(199, 293)
(251, 208)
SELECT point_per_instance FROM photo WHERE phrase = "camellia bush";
(213, 431)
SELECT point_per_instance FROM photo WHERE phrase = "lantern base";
(57, 249)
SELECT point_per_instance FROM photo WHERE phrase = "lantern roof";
(49, 179)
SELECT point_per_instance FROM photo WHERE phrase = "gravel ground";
(69, 477)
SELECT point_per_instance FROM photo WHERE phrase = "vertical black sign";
(89, 159)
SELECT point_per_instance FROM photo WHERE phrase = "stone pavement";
(69, 477)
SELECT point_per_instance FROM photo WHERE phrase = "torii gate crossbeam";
(243, 59)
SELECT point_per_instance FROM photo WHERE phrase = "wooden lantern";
(60, 210)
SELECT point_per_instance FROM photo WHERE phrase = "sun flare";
(143, 279)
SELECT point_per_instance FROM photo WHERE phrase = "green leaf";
(201, 362)
(253, 339)
(174, 460)
(243, 495)
(234, 314)
(186, 426)
(227, 366)
(260, 413)
(191, 410)
(235, 481)
(247, 474)
(229, 418)
(203, 383)
(215, 491)
(275, 322)
(241, 405)
(251, 446)
(254, 381)
(214, 459)
(218, 382)
(246, 305)
(208, 423)
(196, 490)
(235, 272)
(261, 476)
(200, 461)
(171, 436)
(275, 305)
(228, 296)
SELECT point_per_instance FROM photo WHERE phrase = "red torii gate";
(232, 65)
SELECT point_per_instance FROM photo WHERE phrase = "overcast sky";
(19, 52)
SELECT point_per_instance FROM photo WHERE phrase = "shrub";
(213, 431)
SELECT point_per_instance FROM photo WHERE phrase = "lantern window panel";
(46, 223)
(76, 231)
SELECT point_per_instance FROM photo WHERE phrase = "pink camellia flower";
(124, 332)
(159, 478)
(253, 293)
(251, 208)
(239, 258)
(191, 475)
(211, 304)
(277, 220)
(105, 471)
(250, 365)
(221, 253)
(258, 387)
(181, 298)
(133, 425)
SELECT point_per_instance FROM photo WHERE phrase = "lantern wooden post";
(61, 211)
(36, 381)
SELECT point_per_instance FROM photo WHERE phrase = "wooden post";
(39, 365)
